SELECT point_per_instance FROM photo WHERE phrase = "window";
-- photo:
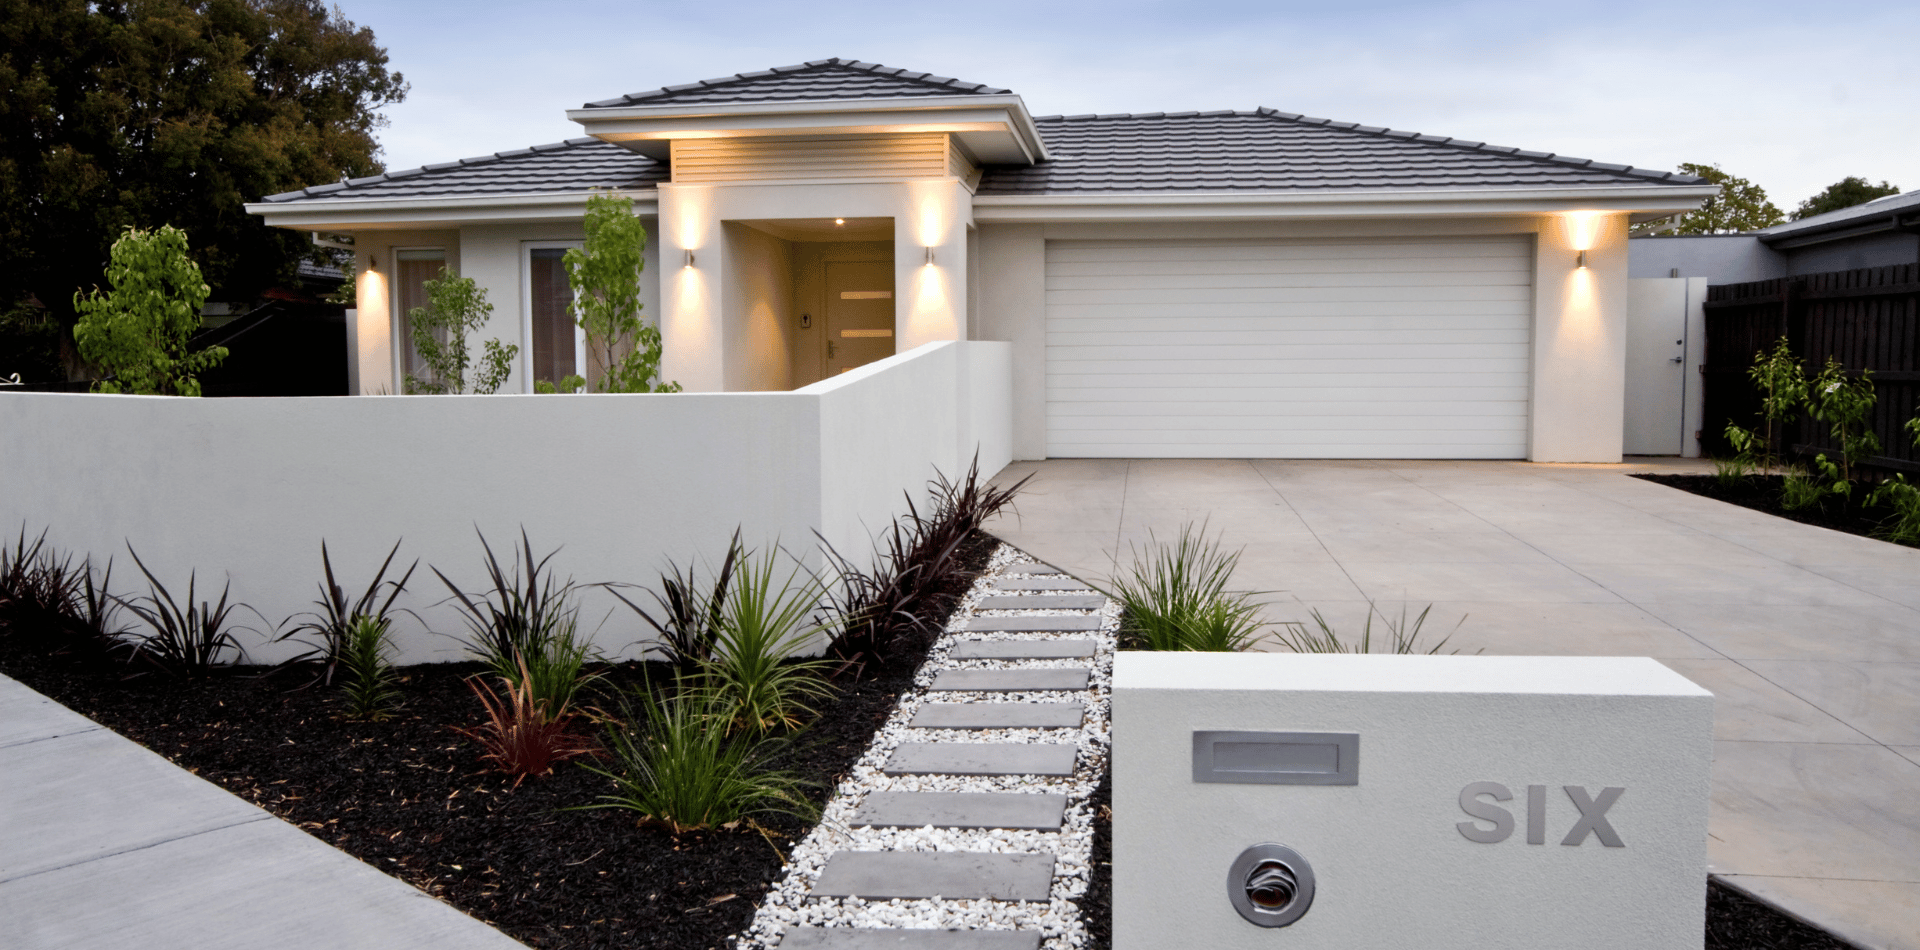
(412, 271)
(554, 338)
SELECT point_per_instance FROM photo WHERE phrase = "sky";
(1792, 96)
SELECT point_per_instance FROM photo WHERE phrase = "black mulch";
(1738, 922)
(1762, 493)
(1096, 909)
(410, 796)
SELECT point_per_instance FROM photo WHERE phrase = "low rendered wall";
(248, 488)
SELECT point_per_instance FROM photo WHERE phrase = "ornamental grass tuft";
(522, 735)
(1175, 597)
(1403, 635)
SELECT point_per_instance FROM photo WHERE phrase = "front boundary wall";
(248, 488)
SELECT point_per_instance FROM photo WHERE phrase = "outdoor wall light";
(839, 221)
(929, 262)
(1580, 259)
(689, 262)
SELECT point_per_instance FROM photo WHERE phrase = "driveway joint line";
(135, 850)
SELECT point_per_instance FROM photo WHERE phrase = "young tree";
(605, 277)
(151, 112)
(1844, 193)
(455, 307)
(1741, 205)
(138, 331)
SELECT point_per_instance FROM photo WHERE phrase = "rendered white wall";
(1394, 870)
(1580, 339)
(758, 311)
(248, 488)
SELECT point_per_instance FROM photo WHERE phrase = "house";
(1198, 284)
(1880, 233)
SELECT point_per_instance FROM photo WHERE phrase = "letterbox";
(1419, 802)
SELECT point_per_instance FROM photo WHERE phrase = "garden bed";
(410, 796)
(1762, 493)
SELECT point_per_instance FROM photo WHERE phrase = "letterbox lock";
(1271, 885)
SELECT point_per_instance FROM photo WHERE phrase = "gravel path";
(1053, 922)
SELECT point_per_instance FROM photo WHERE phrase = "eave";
(1041, 209)
(388, 214)
(997, 129)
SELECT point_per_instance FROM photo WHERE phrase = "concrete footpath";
(105, 845)
(1808, 638)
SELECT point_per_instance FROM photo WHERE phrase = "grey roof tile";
(1268, 150)
(820, 79)
(571, 166)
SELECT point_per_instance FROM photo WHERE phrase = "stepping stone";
(1038, 583)
(1031, 624)
(998, 716)
(1021, 649)
(962, 810)
(981, 758)
(847, 938)
(1044, 602)
(1009, 681)
(953, 875)
(1033, 569)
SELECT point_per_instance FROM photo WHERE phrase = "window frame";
(526, 312)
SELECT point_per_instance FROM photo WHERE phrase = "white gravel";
(1058, 919)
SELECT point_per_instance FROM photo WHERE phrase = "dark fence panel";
(1867, 319)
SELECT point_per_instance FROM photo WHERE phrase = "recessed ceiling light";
(839, 221)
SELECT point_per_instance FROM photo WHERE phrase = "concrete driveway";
(1809, 639)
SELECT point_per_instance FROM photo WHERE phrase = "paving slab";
(953, 875)
(27, 716)
(1037, 624)
(847, 938)
(981, 758)
(261, 884)
(962, 810)
(1008, 681)
(1022, 649)
(1043, 602)
(999, 716)
(1038, 583)
(85, 796)
(1036, 569)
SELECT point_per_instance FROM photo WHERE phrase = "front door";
(859, 314)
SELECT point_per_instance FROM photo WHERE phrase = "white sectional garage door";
(1377, 348)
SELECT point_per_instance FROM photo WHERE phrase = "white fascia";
(1047, 209)
(627, 124)
(374, 214)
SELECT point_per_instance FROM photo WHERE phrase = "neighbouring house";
(1197, 284)
(1883, 232)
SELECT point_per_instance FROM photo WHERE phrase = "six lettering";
(1593, 814)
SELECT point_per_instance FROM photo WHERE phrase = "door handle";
(830, 349)
(1678, 359)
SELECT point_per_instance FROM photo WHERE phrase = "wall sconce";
(689, 262)
(929, 262)
(837, 222)
(1580, 259)
(373, 263)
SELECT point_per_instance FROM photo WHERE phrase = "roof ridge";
(874, 69)
(1399, 134)
(334, 187)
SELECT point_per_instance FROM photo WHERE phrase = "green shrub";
(369, 684)
(1802, 490)
(676, 764)
(1404, 636)
(756, 675)
(1844, 403)
(334, 623)
(455, 307)
(1904, 498)
(691, 612)
(1783, 386)
(1175, 597)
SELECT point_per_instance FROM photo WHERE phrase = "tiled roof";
(1268, 150)
(1889, 206)
(573, 165)
(817, 80)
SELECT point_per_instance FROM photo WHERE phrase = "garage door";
(1381, 348)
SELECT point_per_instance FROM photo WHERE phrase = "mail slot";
(1501, 802)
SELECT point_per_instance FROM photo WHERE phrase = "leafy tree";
(1741, 205)
(455, 307)
(605, 278)
(1844, 193)
(120, 113)
(138, 331)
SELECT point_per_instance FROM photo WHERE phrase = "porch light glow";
(1580, 259)
(837, 222)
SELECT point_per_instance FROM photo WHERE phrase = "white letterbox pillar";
(1417, 802)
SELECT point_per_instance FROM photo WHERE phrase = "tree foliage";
(605, 278)
(140, 113)
(1741, 205)
(1844, 193)
(455, 307)
(138, 331)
